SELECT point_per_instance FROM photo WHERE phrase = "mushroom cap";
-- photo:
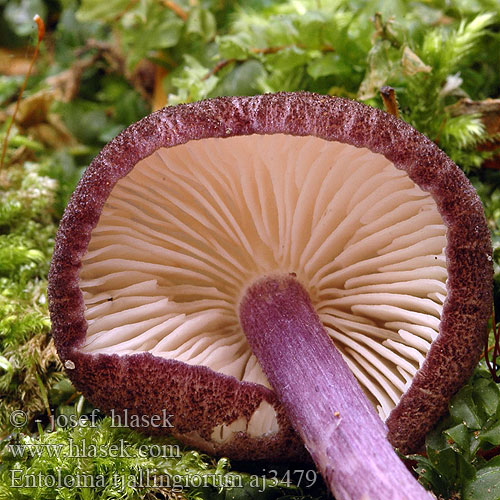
(201, 399)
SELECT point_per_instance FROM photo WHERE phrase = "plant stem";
(325, 404)
(41, 33)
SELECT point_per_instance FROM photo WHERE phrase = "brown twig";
(278, 48)
(119, 15)
(67, 83)
(390, 102)
(177, 9)
(263, 51)
(255, 50)
(218, 67)
(268, 50)
(41, 33)
(489, 454)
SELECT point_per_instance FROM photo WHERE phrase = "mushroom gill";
(184, 234)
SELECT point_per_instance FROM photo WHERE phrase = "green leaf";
(287, 59)
(486, 484)
(241, 80)
(491, 436)
(311, 27)
(463, 409)
(329, 64)
(234, 46)
(61, 391)
(452, 469)
(201, 22)
(460, 435)
(487, 394)
(154, 25)
(194, 81)
(427, 475)
(97, 10)
(444, 461)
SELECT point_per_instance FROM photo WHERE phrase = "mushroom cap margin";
(451, 359)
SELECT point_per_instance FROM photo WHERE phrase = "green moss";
(98, 459)
(27, 230)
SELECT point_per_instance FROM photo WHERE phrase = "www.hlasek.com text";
(83, 449)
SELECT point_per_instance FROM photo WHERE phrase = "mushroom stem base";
(325, 404)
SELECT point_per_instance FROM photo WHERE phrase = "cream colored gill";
(190, 227)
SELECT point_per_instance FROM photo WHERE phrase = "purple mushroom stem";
(325, 404)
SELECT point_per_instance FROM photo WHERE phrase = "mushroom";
(240, 262)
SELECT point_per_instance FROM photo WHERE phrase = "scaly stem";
(325, 404)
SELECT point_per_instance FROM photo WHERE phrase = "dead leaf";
(14, 62)
(35, 120)
(34, 109)
(412, 64)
